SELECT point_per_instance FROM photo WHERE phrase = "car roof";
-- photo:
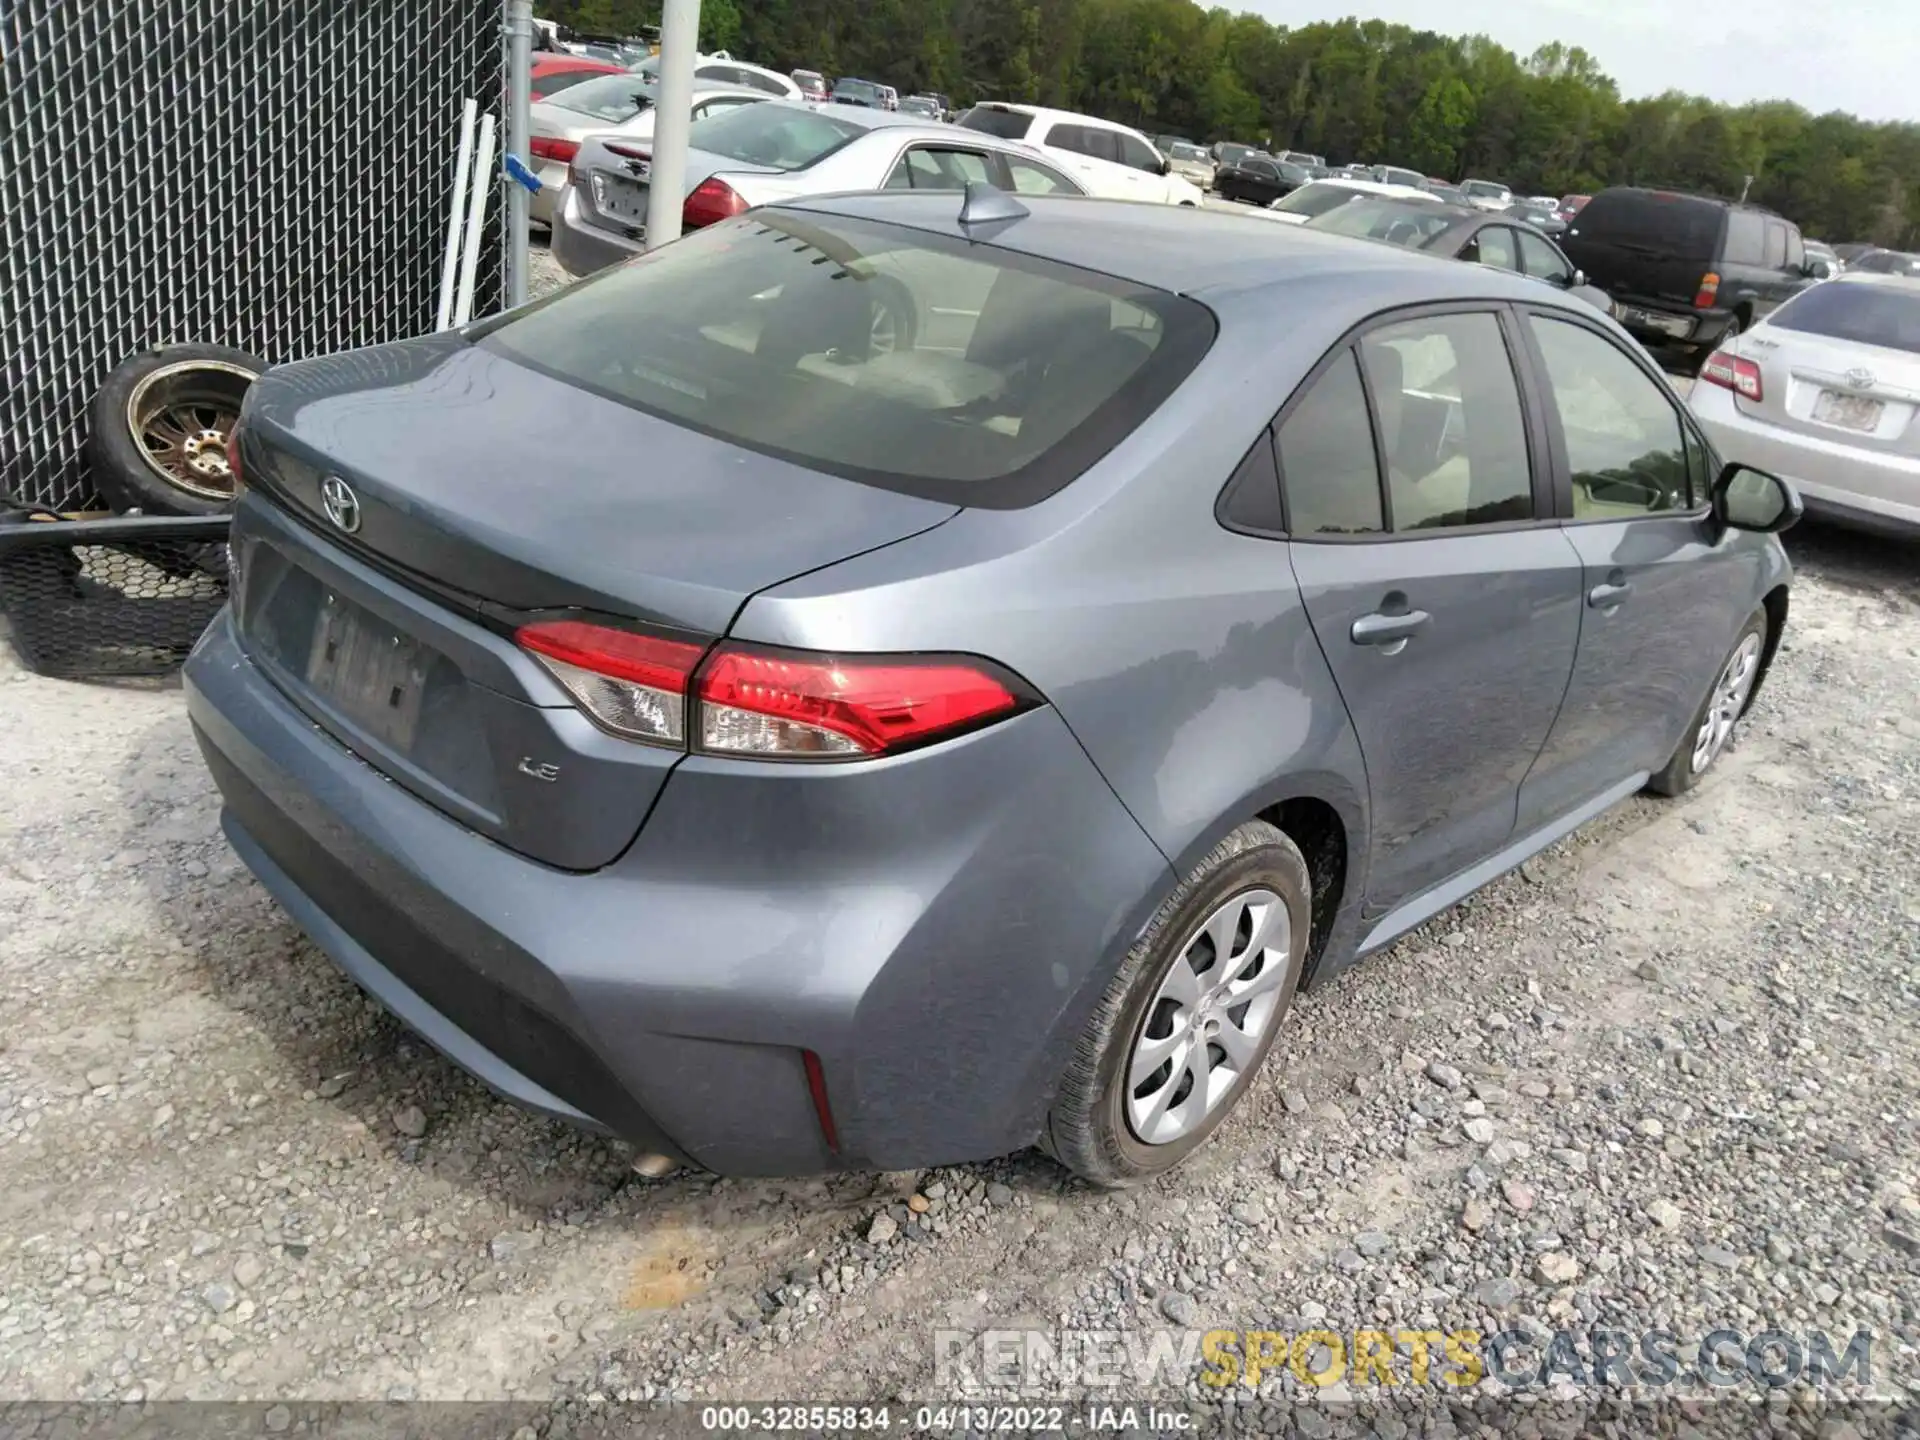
(1876, 277)
(1204, 253)
(1043, 112)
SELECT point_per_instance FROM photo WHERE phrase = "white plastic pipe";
(476, 220)
(450, 265)
(673, 111)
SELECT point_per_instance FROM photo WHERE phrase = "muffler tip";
(654, 1167)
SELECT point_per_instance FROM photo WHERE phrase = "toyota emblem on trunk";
(340, 503)
(1860, 379)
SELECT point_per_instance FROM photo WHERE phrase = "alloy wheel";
(1729, 699)
(182, 416)
(1209, 1018)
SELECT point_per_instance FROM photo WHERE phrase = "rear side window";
(1747, 239)
(1327, 463)
(1864, 314)
(1007, 124)
(956, 371)
(782, 137)
(1086, 140)
(1679, 225)
(1624, 441)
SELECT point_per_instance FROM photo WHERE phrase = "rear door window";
(1450, 423)
(1746, 239)
(901, 358)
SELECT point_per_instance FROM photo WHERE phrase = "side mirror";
(1748, 499)
(1579, 281)
(1166, 166)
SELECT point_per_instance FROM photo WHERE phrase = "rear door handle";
(1390, 630)
(1608, 597)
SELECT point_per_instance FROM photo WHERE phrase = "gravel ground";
(1665, 1075)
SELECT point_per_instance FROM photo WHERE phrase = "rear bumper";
(935, 928)
(582, 248)
(544, 202)
(1839, 482)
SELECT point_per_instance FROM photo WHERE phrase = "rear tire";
(1214, 1039)
(1713, 727)
(158, 429)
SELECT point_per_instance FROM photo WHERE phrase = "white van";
(1109, 159)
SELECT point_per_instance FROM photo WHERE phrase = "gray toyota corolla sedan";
(792, 742)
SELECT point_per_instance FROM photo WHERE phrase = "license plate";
(1665, 324)
(620, 198)
(373, 674)
(1849, 412)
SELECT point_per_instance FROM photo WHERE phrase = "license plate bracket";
(1848, 412)
(371, 673)
(620, 199)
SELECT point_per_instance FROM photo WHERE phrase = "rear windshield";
(1484, 189)
(1888, 262)
(953, 370)
(1317, 199)
(1233, 154)
(781, 137)
(1394, 221)
(612, 98)
(1181, 150)
(1411, 178)
(1680, 225)
(1007, 124)
(1864, 314)
(865, 89)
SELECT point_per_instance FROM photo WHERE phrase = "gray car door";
(1440, 587)
(1665, 589)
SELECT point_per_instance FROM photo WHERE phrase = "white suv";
(1108, 159)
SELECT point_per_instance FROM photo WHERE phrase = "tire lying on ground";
(158, 429)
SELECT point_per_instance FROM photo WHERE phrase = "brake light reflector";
(1735, 373)
(1709, 291)
(780, 704)
(545, 147)
(631, 684)
(712, 200)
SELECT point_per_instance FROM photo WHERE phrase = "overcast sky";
(1862, 57)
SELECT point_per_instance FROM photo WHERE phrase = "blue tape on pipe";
(520, 172)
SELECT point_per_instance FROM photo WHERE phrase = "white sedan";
(1826, 392)
(756, 154)
(1321, 196)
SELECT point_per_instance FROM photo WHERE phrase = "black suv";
(1686, 270)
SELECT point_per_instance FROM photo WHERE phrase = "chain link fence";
(268, 174)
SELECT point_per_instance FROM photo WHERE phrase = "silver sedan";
(620, 103)
(779, 151)
(1826, 392)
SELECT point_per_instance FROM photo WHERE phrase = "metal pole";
(519, 31)
(679, 49)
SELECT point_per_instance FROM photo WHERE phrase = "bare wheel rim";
(181, 416)
(1209, 1018)
(883, 336)
(1730, 693)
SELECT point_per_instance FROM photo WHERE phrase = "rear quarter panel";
(1178, 651)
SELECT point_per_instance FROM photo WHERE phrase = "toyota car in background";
(1826, 392)
(780, 151)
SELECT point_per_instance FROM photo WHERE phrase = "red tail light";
(1735, 373)
(1709, 291)
(768, 704)
(712, 200)
(233, 458)
(546, 148)
(633, 685)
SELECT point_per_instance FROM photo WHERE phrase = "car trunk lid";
(1839, 390)
(470, 492)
